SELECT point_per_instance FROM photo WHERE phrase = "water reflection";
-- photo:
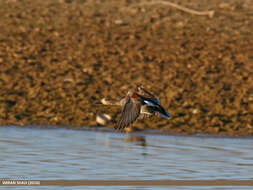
(138, 140)
(69, 154)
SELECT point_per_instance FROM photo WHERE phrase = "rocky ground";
(58, 58)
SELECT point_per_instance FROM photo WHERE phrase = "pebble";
(103, 118)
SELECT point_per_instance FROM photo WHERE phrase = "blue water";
(51, 154)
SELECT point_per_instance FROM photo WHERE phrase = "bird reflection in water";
(138, 140)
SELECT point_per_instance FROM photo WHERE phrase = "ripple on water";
(69, 154)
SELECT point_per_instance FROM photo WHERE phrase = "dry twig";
(187, 10)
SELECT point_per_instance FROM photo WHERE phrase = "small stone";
(249, 126)
(68, 80)
(143, 10)
(195, 111)
(224, 5)
(118, 21)
(180, 24)
(103, 118)
(87, 70)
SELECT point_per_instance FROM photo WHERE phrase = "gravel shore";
(58, 58)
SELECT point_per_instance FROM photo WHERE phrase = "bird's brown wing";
(144, 116)
(130, 113)
(145, 92)
(148, 94)
(146, 111)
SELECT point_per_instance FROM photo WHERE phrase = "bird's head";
(133, 94)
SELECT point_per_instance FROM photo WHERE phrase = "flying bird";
(140, 104)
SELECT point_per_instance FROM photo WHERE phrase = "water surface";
(50, 154)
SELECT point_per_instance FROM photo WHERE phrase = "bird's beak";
(167, 116)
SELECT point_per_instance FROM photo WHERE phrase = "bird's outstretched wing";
(130, 113)
(161, 111)
(155, 107)
(148, 94)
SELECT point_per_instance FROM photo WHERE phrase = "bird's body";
(135, 105)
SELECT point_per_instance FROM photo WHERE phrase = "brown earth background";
(57, 58)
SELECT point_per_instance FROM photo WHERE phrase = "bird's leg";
(129, 129)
